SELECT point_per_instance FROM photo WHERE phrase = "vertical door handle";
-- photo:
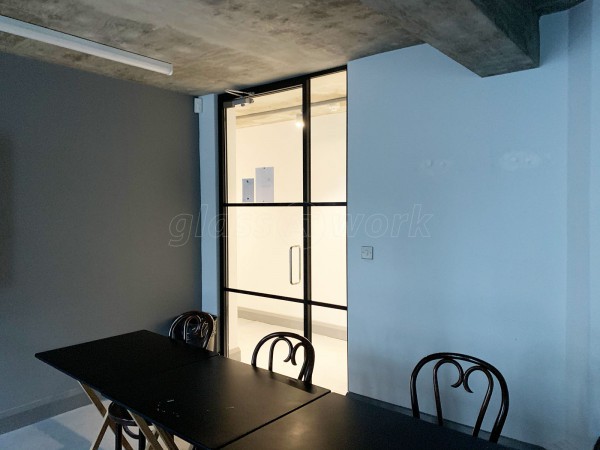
(292, 264)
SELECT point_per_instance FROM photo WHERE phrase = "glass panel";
(264, 247)
(251, 318)
(331, 348)
(329, 254)
(266, 133)
(328, 138)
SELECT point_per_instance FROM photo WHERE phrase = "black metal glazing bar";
(286, 204)
(306, 116)
(304, 82)
(223, 345)
(328, 305)
(286, 299)
(262, 294)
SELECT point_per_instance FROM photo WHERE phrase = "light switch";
(366, 252)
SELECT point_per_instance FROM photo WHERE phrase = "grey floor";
(73, 430)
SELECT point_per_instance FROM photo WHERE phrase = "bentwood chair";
(283, 336)
(473, 365)
(192, 327)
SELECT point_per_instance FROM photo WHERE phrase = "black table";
(111, 361)
(215, 402)
(338, 422)
(128, 356)
(198, 395)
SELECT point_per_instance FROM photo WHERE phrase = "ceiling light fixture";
(78, 44)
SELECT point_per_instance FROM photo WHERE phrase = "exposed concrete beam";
(551, 6)
(489, 37)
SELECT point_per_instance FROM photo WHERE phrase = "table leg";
(106, 420)
(151, 438)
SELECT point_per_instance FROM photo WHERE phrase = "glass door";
(284, 207)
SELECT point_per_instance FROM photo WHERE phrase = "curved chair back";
(193, 327)
(476, 365)
(284, 336)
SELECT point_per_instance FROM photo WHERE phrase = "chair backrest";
(476, 365)
(284, 336)
(193, 327)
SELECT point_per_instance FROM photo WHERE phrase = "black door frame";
(303, 82)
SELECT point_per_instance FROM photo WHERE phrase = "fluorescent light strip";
(78, 44)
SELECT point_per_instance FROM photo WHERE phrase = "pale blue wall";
(593, 10)
(506, 268)
(209, 198)
(502, 165)
(578, 305)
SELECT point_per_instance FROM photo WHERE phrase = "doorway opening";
(283, 204)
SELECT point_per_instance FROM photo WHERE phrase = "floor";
(75, 430)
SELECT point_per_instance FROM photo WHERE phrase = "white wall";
(501, 269)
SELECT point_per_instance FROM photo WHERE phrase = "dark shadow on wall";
(6, 211)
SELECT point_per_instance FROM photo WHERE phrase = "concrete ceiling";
(220, 44)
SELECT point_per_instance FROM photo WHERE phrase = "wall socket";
(366, 252)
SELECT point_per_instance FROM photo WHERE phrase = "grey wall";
(498, 179)
(92, 172)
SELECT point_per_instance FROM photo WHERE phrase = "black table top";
(130, 356)
(214, 402)
(338, 422)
